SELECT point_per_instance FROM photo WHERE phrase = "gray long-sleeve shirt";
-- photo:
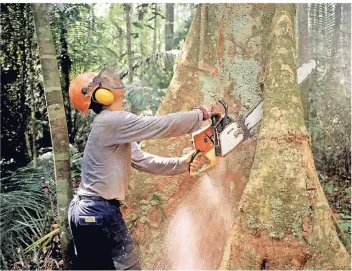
(111, 149)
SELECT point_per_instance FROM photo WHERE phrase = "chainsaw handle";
(216, 137)
(192, 158)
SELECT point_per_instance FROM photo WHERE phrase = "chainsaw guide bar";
(221, 136)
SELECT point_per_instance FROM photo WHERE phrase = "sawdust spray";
(197, 232)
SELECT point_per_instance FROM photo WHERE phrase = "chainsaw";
(223, 135)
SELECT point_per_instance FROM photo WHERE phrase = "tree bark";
(28, 144)
(30, 43)
(169, 26)
(33, 121)
(57, 121)
(284, 221)
(141, 41)
(127, 7)
(225, 56)
(23, 77)
(65, 64)
(33, 110)
(128, 40)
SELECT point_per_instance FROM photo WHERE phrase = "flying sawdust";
(196, 234)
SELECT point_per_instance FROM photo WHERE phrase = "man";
(102, 240)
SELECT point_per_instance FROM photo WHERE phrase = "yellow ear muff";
(104, 96)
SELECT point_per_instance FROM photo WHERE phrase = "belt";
(98, 198)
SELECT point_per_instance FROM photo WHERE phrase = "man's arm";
(132, 128)
(154, 164)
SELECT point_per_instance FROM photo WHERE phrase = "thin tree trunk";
(346, 20)
(32, 150)
(303, 53)
(23, 81)
(28, 144)
(169, 26)
(346, 48)
(155, 28)
(32, 107)
(120, 41)
(65, 63)
(159, 33)
(128, 40)
(57, 121)
(30, 34)
(129, 51)
(33, 121)
(141, 41)
(303, 49)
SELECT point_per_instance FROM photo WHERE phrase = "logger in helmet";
(102, 240)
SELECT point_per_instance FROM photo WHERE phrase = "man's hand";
(196, 163)
(210, 111)
(215, 110)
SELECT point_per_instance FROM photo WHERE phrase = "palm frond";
(25, 208)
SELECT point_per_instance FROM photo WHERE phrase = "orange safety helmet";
(84, 85)
(80, 101)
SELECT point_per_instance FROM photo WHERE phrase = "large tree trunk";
(284, 221)
(169, 26)
(57, 121)
(225, 56)
(217, 61)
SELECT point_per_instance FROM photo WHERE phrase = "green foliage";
(76, 165)
(28, 208)
(330, 109)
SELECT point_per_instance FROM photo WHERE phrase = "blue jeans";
(101, 238)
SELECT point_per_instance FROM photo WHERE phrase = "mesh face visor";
(105, 79)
